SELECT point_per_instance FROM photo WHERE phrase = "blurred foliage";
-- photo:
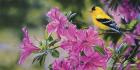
(16, 13)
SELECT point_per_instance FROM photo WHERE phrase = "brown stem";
(107, 33)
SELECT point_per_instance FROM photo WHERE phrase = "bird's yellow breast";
(98, 24)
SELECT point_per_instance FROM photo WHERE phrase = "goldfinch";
(102, 20)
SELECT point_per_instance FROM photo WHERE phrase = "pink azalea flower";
(52, 26)
(128, 67)
(129, 39)
(124, 10)
(93, 59)
(82, 38)
(138, 66)
(88, 62)
(116, 16)
(61, 65)
(84, 41)
(69, 32)
(137, 30)
(26, 47)
(55, 14)
(128, 11)
(58, 21)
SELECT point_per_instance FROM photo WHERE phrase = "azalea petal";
(23, 56)
(26, 46)
(129, 39)
(137, 30)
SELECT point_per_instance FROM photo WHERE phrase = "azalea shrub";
(88, 48)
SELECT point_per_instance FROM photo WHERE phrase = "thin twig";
(107, 33)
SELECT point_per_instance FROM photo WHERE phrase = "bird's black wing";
(110, 23)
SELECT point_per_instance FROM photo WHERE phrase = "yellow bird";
(102, 20)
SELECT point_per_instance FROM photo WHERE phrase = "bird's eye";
(93, 8)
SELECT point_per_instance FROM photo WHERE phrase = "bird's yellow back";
(97, 14)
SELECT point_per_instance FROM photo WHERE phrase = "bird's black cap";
(93, 8)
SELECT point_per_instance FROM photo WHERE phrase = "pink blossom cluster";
(127, 11)
(79, 44)
(130, 38)
(124, 10)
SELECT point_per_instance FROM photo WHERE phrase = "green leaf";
(132, 60)
(50, 41)
(110, 63)
(100, 50)
(122, 48)
(43, 45)
(53, 42)
(40, 58)
(70, 15)
(50, 38)
(50, 67)
(54, 53)
(125, 63)
(132, 24)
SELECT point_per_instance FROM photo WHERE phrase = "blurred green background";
(14, 14)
